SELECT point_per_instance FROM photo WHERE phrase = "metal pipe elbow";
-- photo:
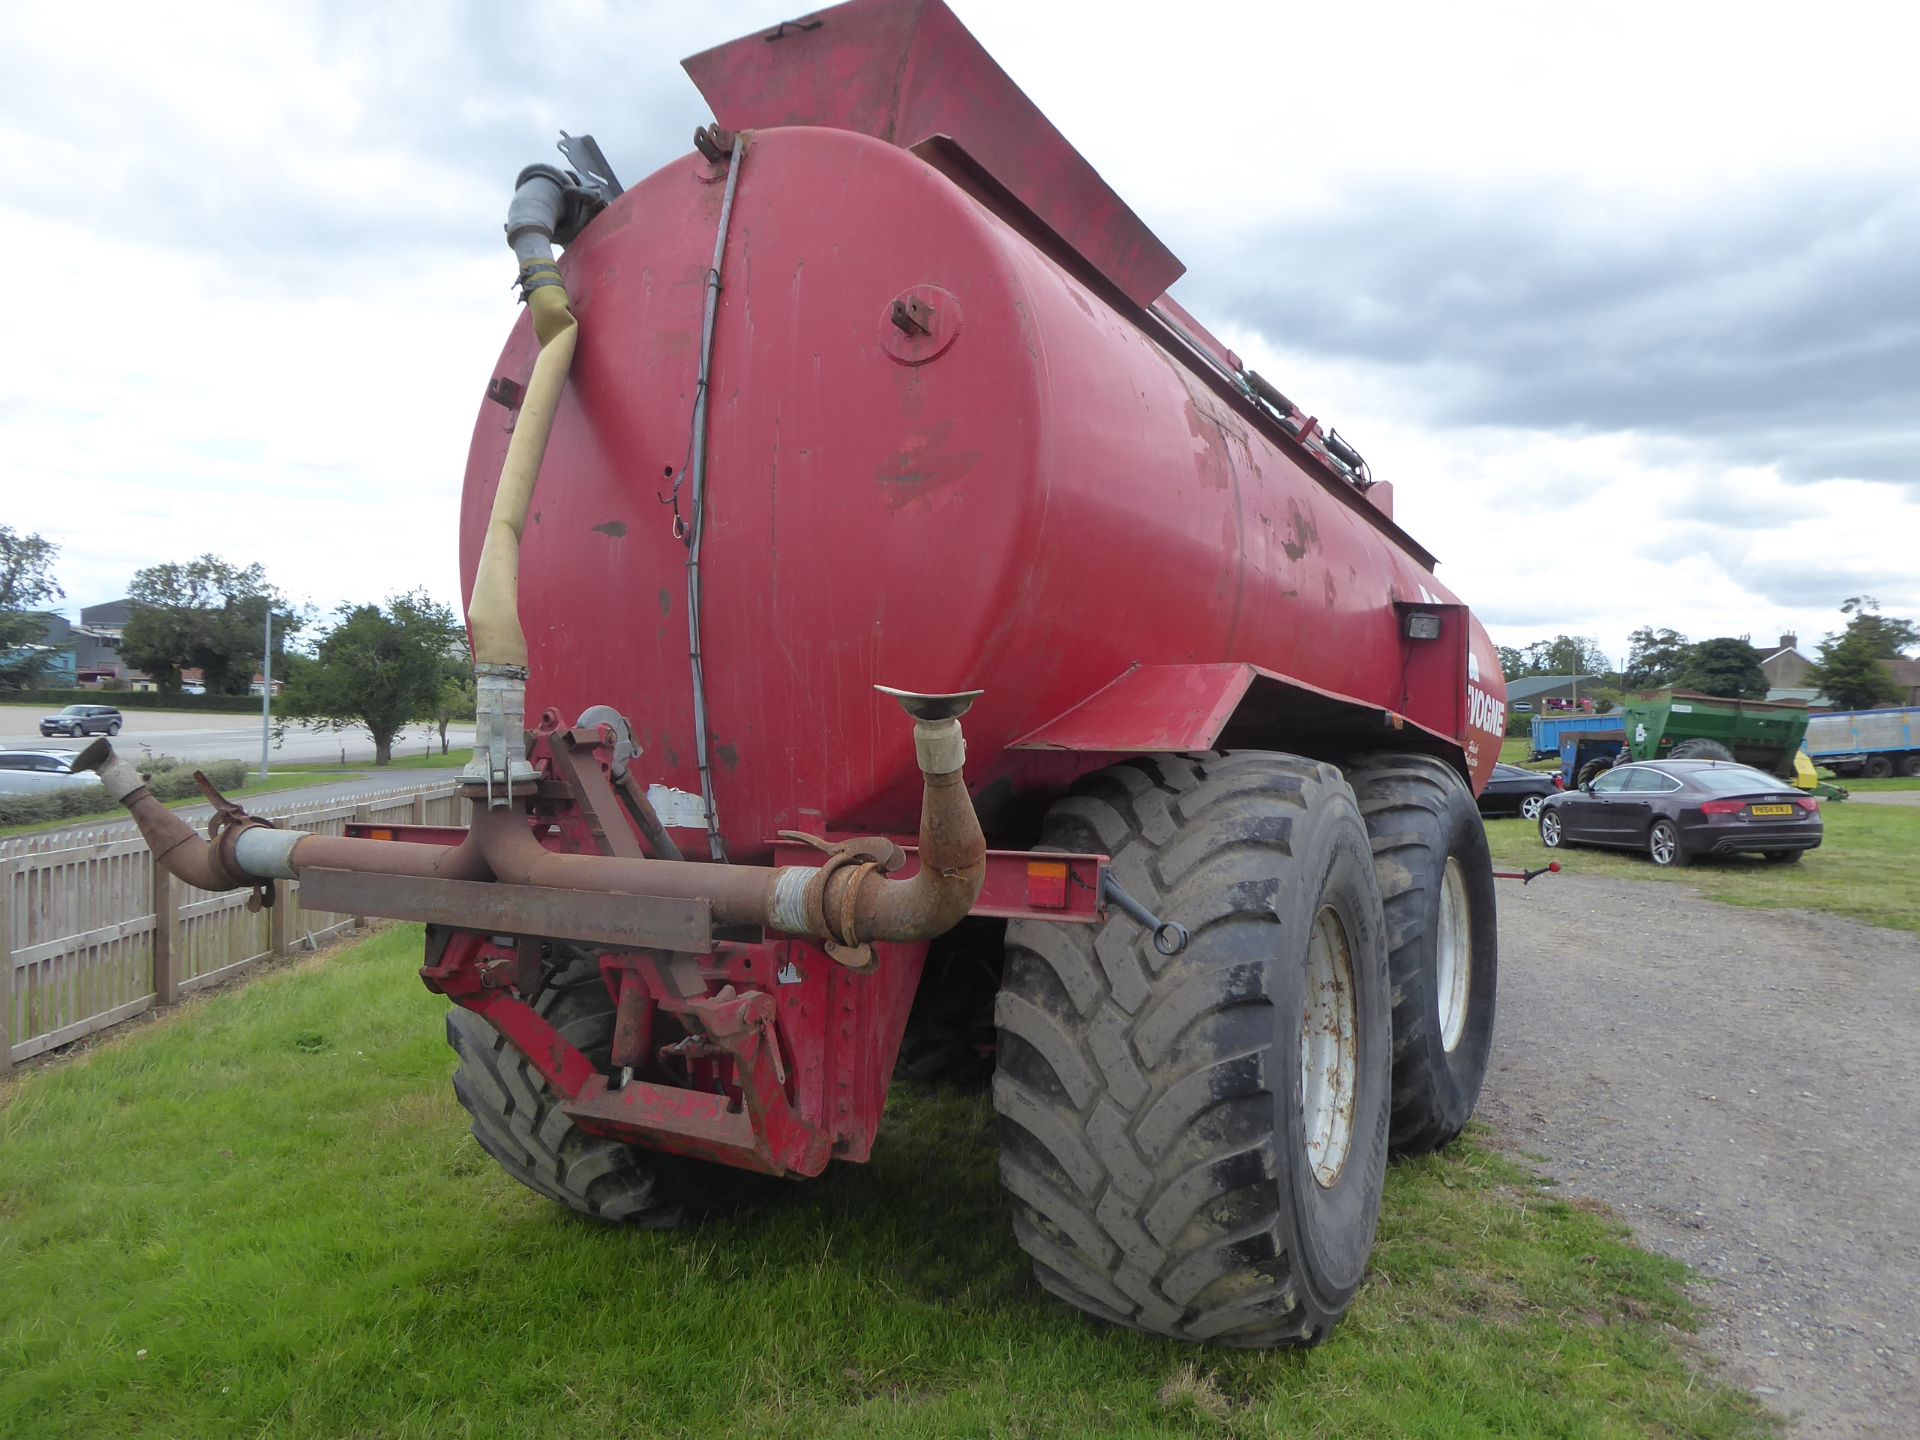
(861, 904)
(175, 844)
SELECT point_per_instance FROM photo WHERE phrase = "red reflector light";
(1047, 884)
(1722, 807)
(379, 834)
(1559, 782)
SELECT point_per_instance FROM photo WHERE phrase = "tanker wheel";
(1595, 768)
(1877, 767)
(1435, 874)
(1195, 1145)
(518, 1120)
(1701, 750)
(1910, 766)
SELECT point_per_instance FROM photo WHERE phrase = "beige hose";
(493, 611)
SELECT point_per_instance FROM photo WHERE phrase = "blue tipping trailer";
(1548, 730)
(1873, 743)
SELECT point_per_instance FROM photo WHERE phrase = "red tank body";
(1046, 498)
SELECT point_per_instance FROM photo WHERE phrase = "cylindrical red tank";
(1048, 500)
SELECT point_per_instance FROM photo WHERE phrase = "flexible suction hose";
(493, 610)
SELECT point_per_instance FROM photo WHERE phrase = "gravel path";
(1740, 1085)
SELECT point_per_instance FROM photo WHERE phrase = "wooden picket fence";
(92, 932)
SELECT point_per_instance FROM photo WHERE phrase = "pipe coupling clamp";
(939, 746)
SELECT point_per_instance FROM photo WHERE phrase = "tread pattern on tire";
(1134, 1090)
(1404, 798)
(518, 1120)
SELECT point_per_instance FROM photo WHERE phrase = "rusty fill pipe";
(849, 904)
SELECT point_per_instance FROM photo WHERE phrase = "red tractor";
(881, 383)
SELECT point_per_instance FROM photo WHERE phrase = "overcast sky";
(1623, 299)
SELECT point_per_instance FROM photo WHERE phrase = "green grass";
(1864, 870)
(1896, 782)
(451, 761)
(1518, 750)
(263, 1215)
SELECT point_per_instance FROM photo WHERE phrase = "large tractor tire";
(1195, 1144)
(518, 1120)
(1435, 874)
(1700, 750)
(1596, 767)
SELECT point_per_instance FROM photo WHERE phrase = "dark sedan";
(1677, 809)
(1513, 791)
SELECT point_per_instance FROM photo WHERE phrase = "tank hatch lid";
(905, 71)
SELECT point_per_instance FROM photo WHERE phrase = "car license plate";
(1773, 809)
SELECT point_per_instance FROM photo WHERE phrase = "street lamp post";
(266, 696)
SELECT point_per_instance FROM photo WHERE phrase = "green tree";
(26, 585)
(1726, 667)
(1562, 655)
(1654, 658)
(1852, 668)
(455, 698)
(1512, 662)
(205, 613)
(377, 668)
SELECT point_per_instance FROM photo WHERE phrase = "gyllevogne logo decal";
(1483, 711)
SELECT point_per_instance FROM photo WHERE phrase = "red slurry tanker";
(881, 386)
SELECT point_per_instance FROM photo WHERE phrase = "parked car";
(36, 772)
(83, 720)
(1678, 809)
(1514, 791)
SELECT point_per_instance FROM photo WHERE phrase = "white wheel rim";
(1550, 828)
(1329, 1049)
(1662, 845)
(1452, 956)
(1530, 807)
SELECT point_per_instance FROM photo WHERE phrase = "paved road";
(1740, 1086)
(1885, 797)
(192, 735)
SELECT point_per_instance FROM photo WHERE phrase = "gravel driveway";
(1740, 1085)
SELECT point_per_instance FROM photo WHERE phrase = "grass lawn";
(1865, 869)
(263, 1215)
(436, 761)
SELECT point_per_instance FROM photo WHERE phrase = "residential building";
(1537, 690)
(1786, 668)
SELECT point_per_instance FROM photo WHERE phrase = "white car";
(39, 772)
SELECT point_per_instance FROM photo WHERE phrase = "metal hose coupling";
(499, 760)
(851, 901)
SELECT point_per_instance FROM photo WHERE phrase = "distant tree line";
(377, 667)
(1852, 670)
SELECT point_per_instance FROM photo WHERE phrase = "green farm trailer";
(1680, 724)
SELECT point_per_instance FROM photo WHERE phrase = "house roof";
(111, 612)
(1527, 686)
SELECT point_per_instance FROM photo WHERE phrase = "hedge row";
(134, 700)
(169, 779)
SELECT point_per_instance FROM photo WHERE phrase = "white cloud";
(266, 281)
